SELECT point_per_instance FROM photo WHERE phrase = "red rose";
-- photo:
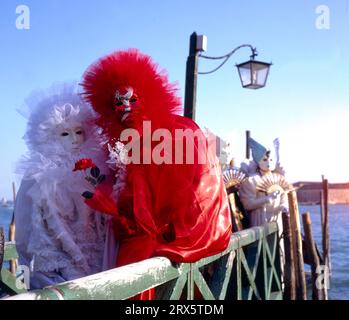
(83, 164)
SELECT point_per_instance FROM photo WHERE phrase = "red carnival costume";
(175, 210)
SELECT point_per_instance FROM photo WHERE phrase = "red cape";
(179, 211)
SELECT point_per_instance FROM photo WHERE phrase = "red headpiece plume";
(129, 68)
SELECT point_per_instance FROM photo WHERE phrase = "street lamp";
(253, 74)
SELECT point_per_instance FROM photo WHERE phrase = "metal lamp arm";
(227, 56)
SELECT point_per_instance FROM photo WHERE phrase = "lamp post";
(253, 74)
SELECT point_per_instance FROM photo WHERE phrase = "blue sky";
(305, 102)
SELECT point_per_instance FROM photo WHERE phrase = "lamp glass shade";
(253, 74)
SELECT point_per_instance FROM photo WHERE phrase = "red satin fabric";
(179, 211)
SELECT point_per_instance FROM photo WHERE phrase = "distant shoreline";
(318, 203)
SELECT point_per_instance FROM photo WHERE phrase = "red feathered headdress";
(129, 68)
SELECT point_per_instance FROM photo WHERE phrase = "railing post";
(289, 272)
(265, 269)
(190, 283)
(238, 271)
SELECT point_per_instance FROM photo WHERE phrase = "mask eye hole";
(64, 134)
(79, 132)
(118, 103)
(134, 98)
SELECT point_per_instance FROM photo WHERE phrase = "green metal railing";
(248, 269)
(8, 282)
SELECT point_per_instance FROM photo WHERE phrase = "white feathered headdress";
(52, 110)
(49, 112)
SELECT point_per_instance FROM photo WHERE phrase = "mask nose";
(75, 139)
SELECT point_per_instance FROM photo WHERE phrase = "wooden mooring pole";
(322, 211)
(317, 292)
(301, 291)
(325, 232)
(12, 231)
(2, 248)
(289, 268)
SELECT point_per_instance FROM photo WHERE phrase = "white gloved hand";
(273, 196)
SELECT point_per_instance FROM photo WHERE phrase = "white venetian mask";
(72, 139)
(267, 163)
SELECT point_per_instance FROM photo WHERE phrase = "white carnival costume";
(264, 193)
(57, 234)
